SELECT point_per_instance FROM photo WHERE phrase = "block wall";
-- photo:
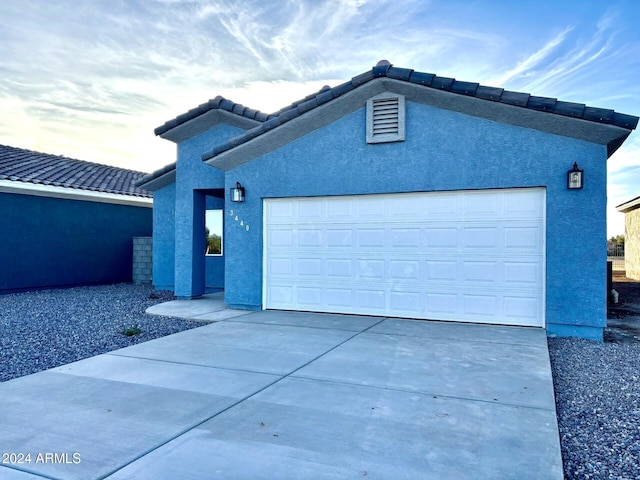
(142, 260)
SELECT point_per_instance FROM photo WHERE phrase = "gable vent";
(385, 118)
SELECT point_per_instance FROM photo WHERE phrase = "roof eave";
(154, 182)
(204, 122)
(629, 205)
(51, 191)
(599, 133)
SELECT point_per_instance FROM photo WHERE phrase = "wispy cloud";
(92, 79)
(526, 67)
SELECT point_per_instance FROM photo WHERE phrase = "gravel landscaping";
(597, 385)
(49, 328)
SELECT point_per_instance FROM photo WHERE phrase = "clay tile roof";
(20, 165)
(218, 103)
(385, 69)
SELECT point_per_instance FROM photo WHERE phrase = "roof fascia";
(629, 205)
(306, 123)
(51, 191)
(592, 132)
(161, 181)
(204, 122)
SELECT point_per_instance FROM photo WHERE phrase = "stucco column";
(190, 245)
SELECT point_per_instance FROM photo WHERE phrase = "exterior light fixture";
(237, 193)
(575, 178)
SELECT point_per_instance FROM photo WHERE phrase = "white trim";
(23, 188)
(628, 206)
(264, 254)
(544, 254)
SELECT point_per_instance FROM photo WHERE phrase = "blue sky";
(91, 79)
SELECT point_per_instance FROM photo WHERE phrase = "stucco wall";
(179, 219)
(632, 244)
(443, 150)
(164, 241)
(51, 242)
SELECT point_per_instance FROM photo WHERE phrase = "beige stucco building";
(631, 210)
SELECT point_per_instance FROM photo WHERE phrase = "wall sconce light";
(575, 178)
(237, 193)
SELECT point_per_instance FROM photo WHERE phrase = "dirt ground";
(623, 318)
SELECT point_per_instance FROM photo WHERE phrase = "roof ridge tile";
(218, 103)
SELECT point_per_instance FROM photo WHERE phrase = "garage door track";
(289, 395)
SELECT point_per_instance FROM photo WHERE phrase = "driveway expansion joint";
(229, 407)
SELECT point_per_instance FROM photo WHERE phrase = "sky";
(91, 79)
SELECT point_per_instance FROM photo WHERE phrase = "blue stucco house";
(397, 193)
(67, 222)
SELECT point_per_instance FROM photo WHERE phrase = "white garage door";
(473, 256)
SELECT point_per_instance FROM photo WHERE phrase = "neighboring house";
(67, 222)
(397, 193)
(631, 210)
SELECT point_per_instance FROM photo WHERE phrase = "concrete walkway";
(288, 395)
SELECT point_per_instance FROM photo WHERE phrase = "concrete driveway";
(288, 395)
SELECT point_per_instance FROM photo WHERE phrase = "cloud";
(525, 67)
(94, 78)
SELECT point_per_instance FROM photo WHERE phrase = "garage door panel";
(523, 237)
(527, 273)
(402, 270)
(441, 237)
(280, 266)
(371, 300)
(337, 238)
(374, 209)
(442, 303)
(478, 205)
(311, 210)
(339, 268)
(309, 296)
(482, 261)
(438, 270)
(311, 267)
(340, 209)
(281, 210)
(523, 203)
(405, 237)
(281, 238)
(406, 303)
(371, 269)
(281, 295)
(339, 300)
(481, 305)
(371, 237)
(483, 272)
(522, 307)
(444, 206)
(480, 237)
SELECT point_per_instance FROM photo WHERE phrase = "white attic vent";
(385, 118)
